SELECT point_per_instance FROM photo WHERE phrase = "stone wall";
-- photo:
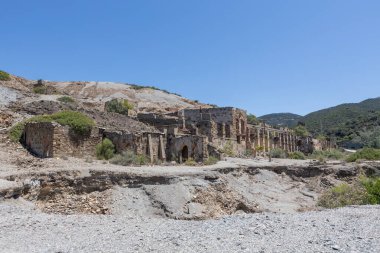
(182, 148)
(38, 138)
(46, 139)
(152, 145)
(68, 143)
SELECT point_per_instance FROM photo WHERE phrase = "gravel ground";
(352, 229)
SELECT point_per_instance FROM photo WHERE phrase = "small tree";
(105, 150)
(301, 131)
(119, 106)
(4, 76)
(252, 119)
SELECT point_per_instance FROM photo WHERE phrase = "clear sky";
(262, 56)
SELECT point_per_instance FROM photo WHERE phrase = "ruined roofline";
(227, 108)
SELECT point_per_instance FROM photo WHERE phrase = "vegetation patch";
(105, 150)
(191, 162)
(4, 76)
(333, 154)
(66, 99)
(297, 155)
(140, 87)
(252, 119)
(365, 154)
(362, 192)
(78, 122)
(228, 149)
(40, 89)
(120, 106)
(301, 131)
(128, 158)
(211, 160)
(278, 153)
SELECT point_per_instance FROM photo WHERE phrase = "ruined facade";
(178, 136)
(46, 139)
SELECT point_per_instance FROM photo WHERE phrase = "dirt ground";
(72, 185)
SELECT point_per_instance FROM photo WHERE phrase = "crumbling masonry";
(179, 136)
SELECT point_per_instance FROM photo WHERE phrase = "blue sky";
(262, 56)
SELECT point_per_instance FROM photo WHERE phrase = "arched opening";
(185, 153)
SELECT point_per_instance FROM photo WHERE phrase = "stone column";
(268, 141)
(286, 147)
(150, 149)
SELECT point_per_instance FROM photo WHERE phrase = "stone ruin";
(178, 136)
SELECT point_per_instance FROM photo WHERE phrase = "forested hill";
(281, 119)
(353, 124)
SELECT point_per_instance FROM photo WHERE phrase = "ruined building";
(189, 133)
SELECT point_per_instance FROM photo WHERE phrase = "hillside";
(20, 98)
(331, 119)
(281, 119)
(144, 98)
(353, 124)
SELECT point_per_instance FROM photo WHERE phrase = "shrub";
(260, 148)
(105, 150)
(252, 119)
(129, 158)
(78, 122)
(119, 106)
(278, 153)
(301, 131)
(40, 89)
(228, 149)
(297, 155)
(4, 76)
(334, 154)
(372, 185)
(343, 195)
(66, 99)
(211, 160)
(191, 162)
(365, 154)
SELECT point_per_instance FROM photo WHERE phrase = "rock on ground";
(350, 229)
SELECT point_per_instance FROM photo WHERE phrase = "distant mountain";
(281, 119)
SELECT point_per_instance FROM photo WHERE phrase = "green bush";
(4, 76)
(211, 160)
(297, 155)
(78, 122)
(119, 106)
(252, 119)
(301, 131)
(277, 153)
(362, 192)
(40, 90)
(228, 149)
(191, 162)
(129, 158)
(105, 150)
(372, 185)
(365, 154)
(343, 195)
(333, 154)
(66, 99)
